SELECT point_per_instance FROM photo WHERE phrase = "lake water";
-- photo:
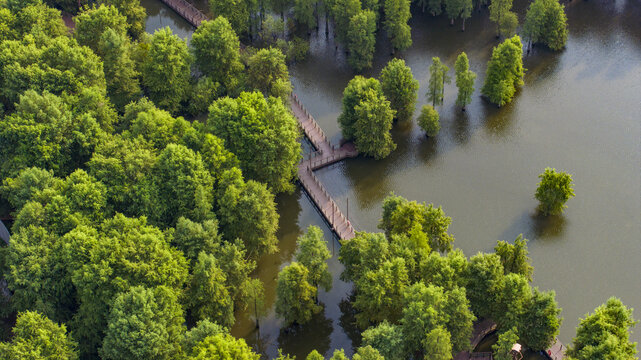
(579, 111)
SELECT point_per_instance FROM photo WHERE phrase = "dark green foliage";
(267, 72)
(546, 23)
(216, 50)
(366, 251)
(38, 338)
(312, 253)
(485, 283)
(235, 11)
(202, 95)
(295, 295)
(400, 88)
(428, 120)
(401, 215)
(304, 13)
(514, 296)
(503, 347)
(166, 70)
(361, 40)
(554, 190)
(387, 339)
(605, 334)
(208, 296)
(438, 79)
(447, 272)
(374, 118)
(504, 72)
(353, 95)
(262, 133)
(397, 15)
(342, 12)
(144, 324)
(200, 332)
(464, 80)
(123, 84)
(192, 238)
(514, 257)
(92, 23)
(541, 321)
(500, 14)
(135, 13)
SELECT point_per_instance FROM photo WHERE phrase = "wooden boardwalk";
(325, 154)
(187, 11)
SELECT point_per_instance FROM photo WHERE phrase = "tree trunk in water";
(452, 22)
(463, 29)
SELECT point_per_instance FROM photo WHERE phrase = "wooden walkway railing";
(187, 11)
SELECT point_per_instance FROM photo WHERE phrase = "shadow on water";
(536, 226)
(347, 321)
(295, 340)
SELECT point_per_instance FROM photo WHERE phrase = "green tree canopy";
(428, 120)
(374, 118)
(193, 237)
(38, 338)
(304, 12)
(342, 12)
(93, 22)
(295, 295)
(504, 72)
(37, 19)
(135, 13)
(437, 345)
(235, 11)
(361, 40)
(166, 70)
(499, 12)
(514, 257)
(400, 88)
(312, 253)
(546, 23)
(364, 252)
(262, 133)
(144, 324)
(223, 347)
(553, 191)
(387, 339)
(216, 50)
(29, 181)
(354, 94)
(267, 72)
(438, 79)
(541, 321)
(123, 84)
(200, 332)
(485, 283)
(464, 80)
(208, 296)
(605, 334)
(397, 15)
(502, 350)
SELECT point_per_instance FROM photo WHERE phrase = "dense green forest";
(137, 222)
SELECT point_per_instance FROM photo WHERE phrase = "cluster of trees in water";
(138, 230)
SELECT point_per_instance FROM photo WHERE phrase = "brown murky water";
(579, 111)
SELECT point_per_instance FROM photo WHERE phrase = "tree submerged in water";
(554, 190)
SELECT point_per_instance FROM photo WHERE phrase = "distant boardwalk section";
(187, 11)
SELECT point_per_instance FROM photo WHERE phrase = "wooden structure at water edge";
(187, 11)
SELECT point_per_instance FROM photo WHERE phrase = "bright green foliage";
(339, 355)
(312, 253)
(361, 40)
(200, 332)
(504, 72)
(541, 321)
(460, 319)
(252, 294)
(93, 22)
(509, 23)
(499, 10)
(37, 338)
(437, 345)
(605, 334)
(503, 347)
(421, 313)
(464, 80)
(19, 190)
(367, 353)
(295, 295)
(364, 252)
(374, 118)
(546, 22)
(387, 339)
(514, 257)
(438, 79)
(126, 253)
(447, 272)
(121, 75)
(413, 248)
(554, 190)
(232, 259)
(8, 29)
(401, 215)
(400, 88)
(207, 296)
(223, 347)
(56, 65)
(158, 127)
(192, 237)
(39, 20)
(267, 72)
(124, 166)
(314, 355)
(514, 296)
(262, 133)
(216, 50)
(36, 274)
(485, 283)
(380, 292)
(428, 120)
(247, 211)
(166, 71)
(135, 13)
(236, 11)
(354, 94)
(342, 12)
(304, 13)
(216, 157)
(144, 324)
(186, 186)
(397, 14)
(204, 92)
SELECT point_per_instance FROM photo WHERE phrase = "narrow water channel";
(579, 111)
